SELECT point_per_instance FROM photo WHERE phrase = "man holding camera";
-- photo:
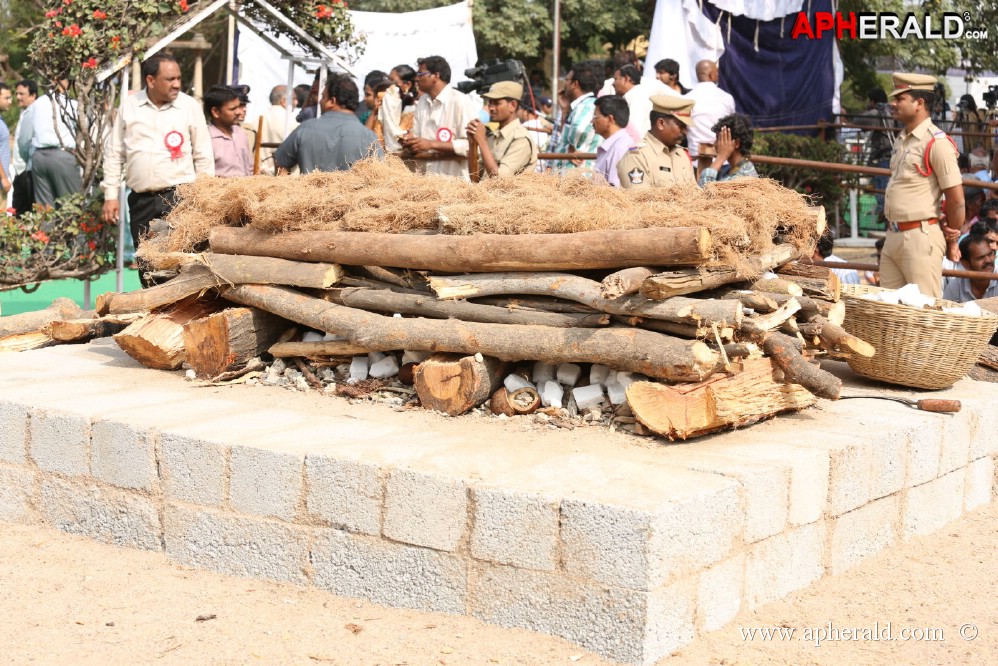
(440, 114)
(511, 150)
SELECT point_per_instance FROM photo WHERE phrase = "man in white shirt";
(441, 115)
(712, 104)
(160, 139)
(627, 84)
(277, 125)
(47, 143)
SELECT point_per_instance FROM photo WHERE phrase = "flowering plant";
(326, 21)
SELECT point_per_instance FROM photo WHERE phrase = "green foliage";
(825, 186)
(48, 243)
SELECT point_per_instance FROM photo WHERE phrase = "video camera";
(991, 97)
(492, 71)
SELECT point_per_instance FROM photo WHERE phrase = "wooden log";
(632, 350)
(32, 322)
(83, 330)
(157, 340)
(588, 292)
(321, 348)
(18, 342)
(191, 281)
(809, 307)
(689, 331)
(827, 286)
(689, 281)
(835, 338)
(784, 353)
(989, 357)
(759, 325)
(536, 303)
(722, 401)
(754, 300)
(778, 286)
(523, 400)
(625, 282)
(454, 384)
(425, 305)
(666, 246)
(227, 340)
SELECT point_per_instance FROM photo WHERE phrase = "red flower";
(11, 211)
(72, 31)
(99, 15)
(67, 2)
(183, 5)
(92, 245)
(323, 12)
(51, 14)
(91, 63)
(40, 236)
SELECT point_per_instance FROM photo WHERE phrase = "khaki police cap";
(904, 82)
(505, 89)
(680, 107)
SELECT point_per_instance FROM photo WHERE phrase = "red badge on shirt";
(445, 134)
(174, 142)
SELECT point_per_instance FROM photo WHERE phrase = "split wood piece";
(454, 384)
(688, 281)
(227, 340)
(783, 350)
(809, 307)
(83, 330)
(778, 286)
(835, 337)
(681, 411)
(588, 292)
(157, 340)
(538, 303)
(524, 400)
(689, 331)
(33, 322)
(19, 342)
(631, 350)
(742, 350)
(750, 299)
(667, 246)
(394, 278)
(322, 348)
(191, 281)
(424, 305)
(989, 357)
(826, 286)
(624, 282)
(760, 324)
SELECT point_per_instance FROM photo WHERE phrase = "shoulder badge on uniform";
(636, 176)
(637, 147)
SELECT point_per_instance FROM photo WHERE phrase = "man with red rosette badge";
(159, 140)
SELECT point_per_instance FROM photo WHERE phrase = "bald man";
(712, 104)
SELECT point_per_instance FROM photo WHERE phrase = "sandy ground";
(66, 599)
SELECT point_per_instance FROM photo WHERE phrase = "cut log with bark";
(426, 305)
(784, 352)
(524, 400)
(835, 338)
(535, 303)
(322, 349)
(682, 411)
(759, 325)
(778, 286)
(194, 280)
(689, 331)
(989, 357)
(83, 330)
(588, 292)
(632, 350)
(454, 384)
(665, 246)
(33, 322)
(19, 342)
(688, 281)
(816, 281)
(809, 307)
(625, 282)
(227, 340)
(753, 300)
(157, 340)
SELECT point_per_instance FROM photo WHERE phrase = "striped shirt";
(577, 134)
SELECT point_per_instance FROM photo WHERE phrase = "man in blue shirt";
(334, 140)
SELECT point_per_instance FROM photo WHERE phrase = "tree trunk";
(625, 282)
(19, 342)
(30, 322)
(667, 246)
(691, 280)
(192, 280)
(454, 384)
(784, 353)
(722, 401)
(226, 340)
(83, 330)
(588, 292)
(426, 305)
(157, 340)
(631, 350)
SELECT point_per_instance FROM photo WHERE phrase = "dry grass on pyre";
(384, 196)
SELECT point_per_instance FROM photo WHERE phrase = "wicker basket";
(915, 347)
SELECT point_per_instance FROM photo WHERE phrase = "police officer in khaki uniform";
(923, 168)
(659, 160)
(510, 150)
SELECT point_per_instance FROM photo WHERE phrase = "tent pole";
(556, 49)
(230, 53)
(119, 261)
(289, 98)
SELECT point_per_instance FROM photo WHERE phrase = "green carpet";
(16, 301)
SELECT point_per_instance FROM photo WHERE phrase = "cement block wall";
(628, 550)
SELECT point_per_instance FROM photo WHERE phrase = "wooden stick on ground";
(632, 350)
(30, 322)
(667, 246)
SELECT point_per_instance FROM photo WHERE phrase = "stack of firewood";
(617, 319)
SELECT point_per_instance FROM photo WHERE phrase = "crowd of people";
(643, 133)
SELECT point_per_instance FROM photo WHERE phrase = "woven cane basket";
(915, 347)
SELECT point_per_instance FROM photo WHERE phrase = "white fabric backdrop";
(392, 39)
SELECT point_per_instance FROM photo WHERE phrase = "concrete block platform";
(629, 547)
